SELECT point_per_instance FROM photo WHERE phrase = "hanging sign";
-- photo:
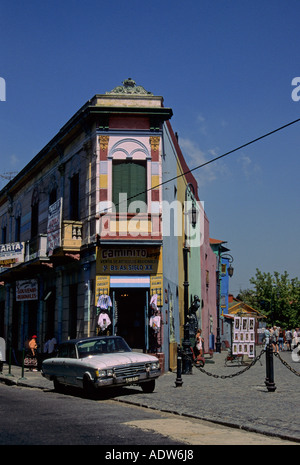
(11, 253)
(129, 260)
(27, 290)
(101, 286)
(54, 226)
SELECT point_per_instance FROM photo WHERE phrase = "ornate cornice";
(129, 87)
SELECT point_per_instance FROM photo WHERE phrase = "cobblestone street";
(241, 401)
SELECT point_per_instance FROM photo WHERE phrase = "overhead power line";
(228, 153)
(215, 159)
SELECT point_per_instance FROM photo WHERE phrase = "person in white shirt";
(49, 346)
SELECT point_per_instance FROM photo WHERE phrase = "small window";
(4, 235)
(223, 268)
(18, 229)
(52, 196)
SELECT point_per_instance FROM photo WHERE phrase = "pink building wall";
(208, 290)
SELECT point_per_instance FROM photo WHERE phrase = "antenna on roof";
(8, 175)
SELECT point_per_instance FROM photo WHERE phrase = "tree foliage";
(276, 296)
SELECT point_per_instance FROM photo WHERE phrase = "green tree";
(276, 296)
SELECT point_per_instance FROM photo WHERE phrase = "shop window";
(129, 177)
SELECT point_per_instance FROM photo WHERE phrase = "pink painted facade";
(208, 290)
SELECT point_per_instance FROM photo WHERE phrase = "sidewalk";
(241, 401)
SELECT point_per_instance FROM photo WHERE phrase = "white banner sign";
(27, 290)
(11, 253)
(54, 226)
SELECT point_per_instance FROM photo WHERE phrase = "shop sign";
(54, 226)
(156, 287)
(26, 290)
(11, 253)
(128, 260)
(101, 286)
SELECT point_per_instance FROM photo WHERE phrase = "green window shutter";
(119, 177)
(129, 177)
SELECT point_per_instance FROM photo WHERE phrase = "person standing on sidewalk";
(31, 360)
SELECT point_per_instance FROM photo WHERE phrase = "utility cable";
(213, 159)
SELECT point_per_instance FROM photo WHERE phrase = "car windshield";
(104, 345)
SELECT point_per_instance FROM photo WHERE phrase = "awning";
(130, 281)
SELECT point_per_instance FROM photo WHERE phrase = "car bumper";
(126, 381)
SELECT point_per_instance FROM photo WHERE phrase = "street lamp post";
(186, 343)
(230, 270)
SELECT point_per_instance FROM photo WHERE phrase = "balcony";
(71, 235)
(36, 248)
(139, 227)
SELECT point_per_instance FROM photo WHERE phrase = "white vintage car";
(96, 362)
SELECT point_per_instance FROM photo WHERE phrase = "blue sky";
(224, 67)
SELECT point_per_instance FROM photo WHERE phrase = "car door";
(58, 368)
(69, 365)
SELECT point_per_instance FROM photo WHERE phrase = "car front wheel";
(149, 386)
(88, 387)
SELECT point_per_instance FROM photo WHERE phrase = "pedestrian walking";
(288, 339)
(295, 338)
(2, 353)
(267, 336)
(280, 339)
(275, 335)
(199, 341)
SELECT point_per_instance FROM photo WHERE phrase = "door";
(132, 304)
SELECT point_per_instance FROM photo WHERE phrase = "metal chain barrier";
(269, 380)
(286, 364)
(250, 366)
(238, 372)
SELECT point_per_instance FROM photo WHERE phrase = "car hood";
(110, 360)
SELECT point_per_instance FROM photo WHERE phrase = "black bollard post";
(269, 382)
(23, 358)
(9, 362)
(178, 381)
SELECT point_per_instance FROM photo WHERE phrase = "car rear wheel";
(149, 386)
(59, 387)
